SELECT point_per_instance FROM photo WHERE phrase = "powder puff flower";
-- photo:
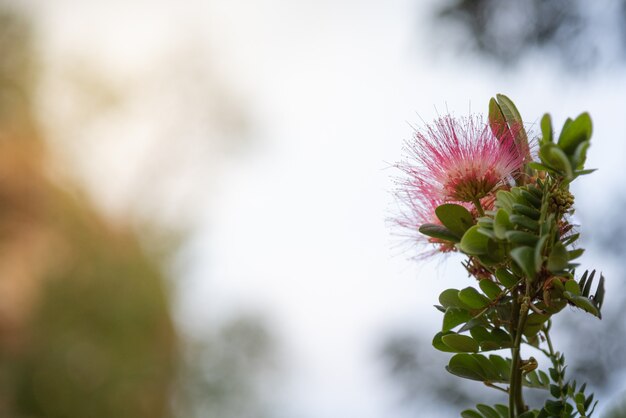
(453, 161)
(459, 160)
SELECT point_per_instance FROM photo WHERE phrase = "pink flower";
(453, 161)
(459, 160)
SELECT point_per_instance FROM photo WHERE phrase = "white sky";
(296, 229)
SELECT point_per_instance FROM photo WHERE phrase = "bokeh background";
(194, 199)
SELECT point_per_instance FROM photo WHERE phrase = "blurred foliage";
(85, 324)
(17, 74)
(221, 374)
(92, 335)
(85, 328)
(506, 31)
(618, 409)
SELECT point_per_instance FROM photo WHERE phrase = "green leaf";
(546, 128)
(524, 222)
(497, 122)
(516, 124)
(582, 302)
(574, 254)
(528, 211)
(599, 296)
(473, 298)
(473, 242)
(503, 410)
(580, 155)
(487, 411)
(505, 200)
(490, 289)
(505, 277)
(521, 238)
(572, 287)
(558, 259)
(439, 232)
(438, 343)
(553, 156)
(501, 224)
(530, 198)
(528, 414)
(466, 366)
(468, 413)
(575, 132)
(534, 323)
(454, 317)
(525, 259)
(450, 298)
(539, 252)
(454, 217)
(460, 343)
(503, 366)
(539, 167)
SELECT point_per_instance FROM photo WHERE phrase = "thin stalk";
(491, 385)
(516, 399)
(553, 358)
(515, 365)
(479, 207)
(513, 329)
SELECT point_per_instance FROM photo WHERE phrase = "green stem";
(479, 207)
(516, 398)
(554, 359)
(513, 329)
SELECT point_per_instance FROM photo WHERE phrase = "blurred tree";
(577, 32)
(222, 372)
(85, 328)
(85, 324)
